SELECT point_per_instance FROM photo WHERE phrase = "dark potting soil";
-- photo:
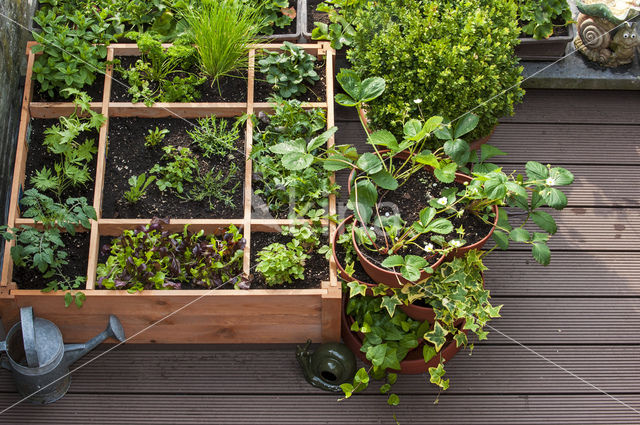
(315, 271)
(39, 156)
(263, 90)
(411, 198)
(77, 248)
(232, 88)
(314, 16)
(127, 156)
(95, 91)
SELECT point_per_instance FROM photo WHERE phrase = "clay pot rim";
(396, 275)
(343, 274)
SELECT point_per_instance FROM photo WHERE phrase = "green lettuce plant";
(439, 58)
(151, 258)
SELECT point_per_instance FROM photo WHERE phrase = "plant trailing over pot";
(460, 304)
(286, 149)
(540, 17)
(453, 57)
(289, 72)
(150, 257)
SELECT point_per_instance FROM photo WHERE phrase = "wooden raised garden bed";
(185, 316)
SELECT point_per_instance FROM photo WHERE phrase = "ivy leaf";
(536, 171)
(545, 221)
(390, 303)
(541, 253)
(520, 235)
(393, 400)
(466, 124)
(376, 354)
(356, 289)
(437, 336)
(347, 389)
(428, 352)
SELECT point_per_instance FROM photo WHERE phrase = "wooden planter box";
(176, 316)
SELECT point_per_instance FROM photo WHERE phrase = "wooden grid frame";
(186, 316)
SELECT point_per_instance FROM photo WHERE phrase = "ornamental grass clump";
(222, 31)
(451, 57)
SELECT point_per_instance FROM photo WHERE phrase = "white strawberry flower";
(442, 201)
(456, 243)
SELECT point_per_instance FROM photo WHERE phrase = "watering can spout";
(73, 352)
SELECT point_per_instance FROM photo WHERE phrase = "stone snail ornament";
(605, 33)
(329, 366)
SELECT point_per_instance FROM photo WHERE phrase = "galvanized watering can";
(37, 356)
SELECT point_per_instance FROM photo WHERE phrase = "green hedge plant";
(443, 58)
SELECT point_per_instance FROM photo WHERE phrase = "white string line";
(207, 293)
(563, 369)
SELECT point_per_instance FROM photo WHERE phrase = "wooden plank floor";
(569, 332)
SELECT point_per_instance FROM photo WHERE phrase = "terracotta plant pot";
(386, 276)
(413, 364)
(340, 269)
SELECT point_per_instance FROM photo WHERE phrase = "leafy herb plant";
(215, 185)
(155, 137)
(61, 139)
(138, 187)
(214, 137)
(340, 31)
(291, 178)
(162, 76)
(290, 71)
(43, 250)
(150, 257)
(178, 170)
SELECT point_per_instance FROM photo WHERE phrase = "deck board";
(582, 312)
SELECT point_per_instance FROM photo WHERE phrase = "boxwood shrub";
(439, 57)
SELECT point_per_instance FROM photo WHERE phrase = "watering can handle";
(29, 336)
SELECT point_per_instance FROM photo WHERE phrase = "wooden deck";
(580, 315)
